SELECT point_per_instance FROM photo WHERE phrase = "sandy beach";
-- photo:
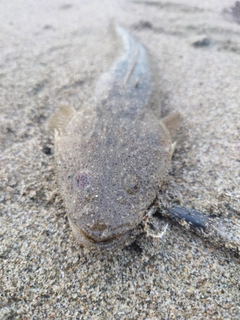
(52, 54)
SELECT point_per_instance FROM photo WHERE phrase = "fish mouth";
(118, 240)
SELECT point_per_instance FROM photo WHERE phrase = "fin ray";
(61, 118)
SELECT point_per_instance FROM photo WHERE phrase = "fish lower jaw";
(119, 240)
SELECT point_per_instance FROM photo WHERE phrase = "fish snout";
(100, 233)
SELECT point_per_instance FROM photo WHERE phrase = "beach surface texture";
(52, 54)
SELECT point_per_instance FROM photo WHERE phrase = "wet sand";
(52, 54)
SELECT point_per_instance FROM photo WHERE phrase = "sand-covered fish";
(113, 155)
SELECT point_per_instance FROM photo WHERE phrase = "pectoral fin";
(173, 123)
(61, 118)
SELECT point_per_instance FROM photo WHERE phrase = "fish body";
(113, 155)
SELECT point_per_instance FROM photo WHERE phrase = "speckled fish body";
(113, 154)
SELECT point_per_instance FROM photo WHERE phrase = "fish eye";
(131, 184)
(82, 180)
